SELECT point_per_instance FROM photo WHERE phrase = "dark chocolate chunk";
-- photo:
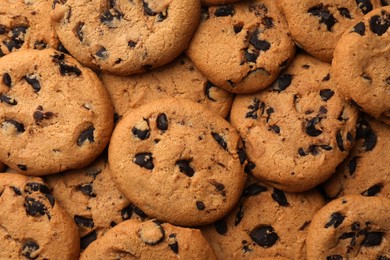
(85, 135)
(352, 165)
(66, 69)
(326, 78)
(172, 243)
(268, 22)
(87, 189)
(102, 53)
(131, 44)
(275, 129)
(40, 45)
(207, 88)
(249, 167)
(34, 207)
(200, 205)
(311, 127)
(144, 160)
(155, 239)
(204, 13)
(326, 147)
(147, 9)
(87, 239)
(83, 221)
(219, 140)
(280, 197)
(79, 32)
(261, 45)
(22, 167)
(251, 56)
(55, 2)
(62, 48)
(283, 82)
(335, 220)
(33, 81)
(139, 212)
(36, 186)
(334, 257)
(372, 239)
(264, 236)
(324, 15)
(373, 190)
(19, 126)
(370, 140)
(379, 25)
(184, 167)
(359, 28)
(326, 94)
(238, 27)
(109, 15)
(117, 117)
(340, 142)
(345, 12)
(304, 225)
(364, 5)
(241, 155)
(253, 109)
(224, 10)
(142, 134)
(302, 152)
(29, 248)
(253, 189)
(3, 29)
(39, 116)
(16, 190)
(7, 99)
(381, 257)
(162, 121)
(221, 226)
(51, 199)
(127, 212)
(239, 215)
(7, 80)
(269, 112)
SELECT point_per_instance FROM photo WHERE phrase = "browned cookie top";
(125, 37)
(177, 161)
(32, 224)
(55, 114)
(361, 64)
(25, 24)
(242, 47)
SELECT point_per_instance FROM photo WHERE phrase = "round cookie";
(366, 169)
(149, 240)
(24, 24)
(178, 79)
(32, 224)
(266, 222)
(242, 47)
(125, 37)
(363, 75)
(351, 227)
(91, 198)
(177, 151)
(297, 131)
(317, 25)
(217, 2)
(55, 115)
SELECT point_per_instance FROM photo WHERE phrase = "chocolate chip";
(261, 45)
(359, 28)
(16, 190)
(379, 25)
(207, 88)
(218, 186)
(7, 99)
(127, 212)
(200, 205)
(139, 212)
(352, 165)
(251, 56)
(36, 186)
(87, 239)
(19, 126)
(304, 225)
(249, 167)
(264, 236)
(102, 53)
(373, 190)
(219, 140)
(152, 238)
(33, 81)
(280, 197)
(340, 142)
(269, 112)
(7, 80)
(238, 28)
(29, 249)
(109, 15)
(254, 108)
(221, 226)
(253, 189)
(372, 239)
(172, 243)
(65, 69)
(83, 221)
(381, 257)
(282, 82)
(184, 167)
(268, 22)
(22, 167)
(79, 31)
(131, 44)
(326, 94)
(334, 257)
(225, 10)
(302, 152)
(51, 199)
(335, 220)
(241, 155)
(311, 127)
(364, 5)
(34, 207)
(3, 29)
(142, 134)
(39, 116)
(326, 147)
(40, 45)
(147, 9)
(326, 78)
(162, 121)
(239, 215)
(87, 189)
(85, 135)
(324, 15)
(62, 48)
(144, 160)
(370, 140)
(275, 129)
(345, 12)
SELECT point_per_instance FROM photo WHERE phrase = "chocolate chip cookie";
(25, 24)
(91, 198)
(242, 47)
(149, 240)
(266, 222)
(55, 115)
(32, 224)
(297, 131)
(351, 227)
(125, 37)
(180, 154)
(366, 169)
(177, 79)
(363, 73)
(317, 25)
(216, 2)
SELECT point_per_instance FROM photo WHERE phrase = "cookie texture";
(242, 47)
(32, 224)
(125, 37)
(267, 222)
(91, 198)
(363, 74)
(177, 79)
(178, 153)
(366, 169)
(217, 2)
(24, 24)
(149, 240)
(55, 115)
(297, 131)
(317, 25)
(351, 227)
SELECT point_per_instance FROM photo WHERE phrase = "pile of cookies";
(194, 129)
